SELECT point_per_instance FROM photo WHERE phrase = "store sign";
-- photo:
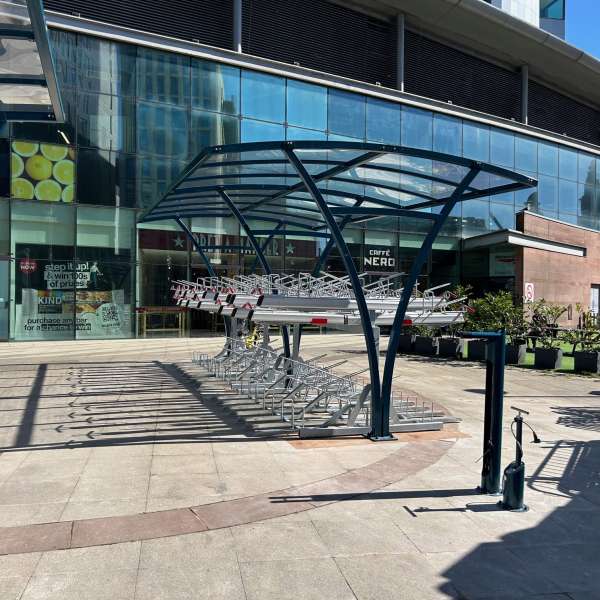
(379, 258)
(27, 265)
(66, 276)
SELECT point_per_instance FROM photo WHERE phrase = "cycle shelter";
(316, 189)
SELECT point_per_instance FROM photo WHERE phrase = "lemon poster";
(42, 172)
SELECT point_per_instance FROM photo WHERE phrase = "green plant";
(496, 311)
(543, 322)
(460, 294)
(587, 334)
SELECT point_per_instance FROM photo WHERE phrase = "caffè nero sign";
(379, 258)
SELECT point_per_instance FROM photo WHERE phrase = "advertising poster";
(42, 172)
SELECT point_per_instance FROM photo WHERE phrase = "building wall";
(527, 10)
(559, 278)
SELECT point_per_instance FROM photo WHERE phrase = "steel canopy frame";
(229, 180)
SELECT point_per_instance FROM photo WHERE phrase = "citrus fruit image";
(16, 165)
(48, 190)
(64, 171)
(53, 153)
(68, 193)
(38, 167)
(21, 188)
(25, 148)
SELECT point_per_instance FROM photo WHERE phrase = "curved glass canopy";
(359, 181)
(318, 188)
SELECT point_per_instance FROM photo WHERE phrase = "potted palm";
(516, 336)
(406, 340)
(548, 354)
(587, 338)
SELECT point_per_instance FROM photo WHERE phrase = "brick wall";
(559, 278)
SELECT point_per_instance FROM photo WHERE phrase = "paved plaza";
(126, 473)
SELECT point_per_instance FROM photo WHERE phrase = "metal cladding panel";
(205, 21)
(552, 111)
(441, 72)
(323, 36)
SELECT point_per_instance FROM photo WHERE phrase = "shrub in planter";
(515, 353)
(548, 358)
(476, 349)
(586, 337)
(426, 345)
(406, 343)
(586, 361)
(450, 347)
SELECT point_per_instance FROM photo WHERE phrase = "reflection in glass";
(548, 158)
(475, 217)
(346, 114)
(525, 154)
(306, 105)
(263, 96)
(215, 87)
(162, 129)
(212, 129)
(163, 76)
(567, 164)
(547, 193)
(383, 121)
(567, 196)
(502, 216)
(586, 169)
(476, 141)
(417, 128)
(259, 131)
(447, 134)
(105, 67)
(296, 133)
(502, 148)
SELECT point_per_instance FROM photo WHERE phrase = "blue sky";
(583, 21)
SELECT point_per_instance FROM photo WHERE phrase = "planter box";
(515, 354)
(450, 347)
(428, 346)
(588, 362)
(548, 358)
(477, 350)
(406, 343)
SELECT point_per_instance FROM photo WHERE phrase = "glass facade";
(136, 116)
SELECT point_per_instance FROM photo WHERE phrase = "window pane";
(586, 169)
(552, 9)
(383, 121)
(447, 135)
(215, 87)
(106, 122)
(346, 113)
(96, 177)
(502, 148)
(154, 176)
(64, 50)
(263, 96)
(502, 216)
(525, 154)
(162, 129)
(476, 141)
(548, 158)
(306, 105)
(296, 133)
(417, 128)
(105, 67)
(547, 193)
(567, 196)
(163, 76)
(259, 131)
(475, 217)
(567, 164)
(212, 129)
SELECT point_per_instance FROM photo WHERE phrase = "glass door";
(4, 297)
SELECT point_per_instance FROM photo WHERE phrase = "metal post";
(525, 94)
(381, 425)
(400, 42)
(259, 253)
(264, 247)
(237, 25)
(359, 296)
(495, 481)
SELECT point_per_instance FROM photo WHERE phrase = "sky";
(583, 25)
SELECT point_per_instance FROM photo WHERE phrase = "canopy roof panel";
(359, 181)
(28, 84)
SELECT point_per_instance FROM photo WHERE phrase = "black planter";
(476, 349)
(586, 362)
(450, 347)
(548, 358)
(515, 354)
(425, 345)
(406, 343)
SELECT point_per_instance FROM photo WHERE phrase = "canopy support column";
(209, 267)
(382, 426)
(259, 254)
(265, 245)
(359, 296)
